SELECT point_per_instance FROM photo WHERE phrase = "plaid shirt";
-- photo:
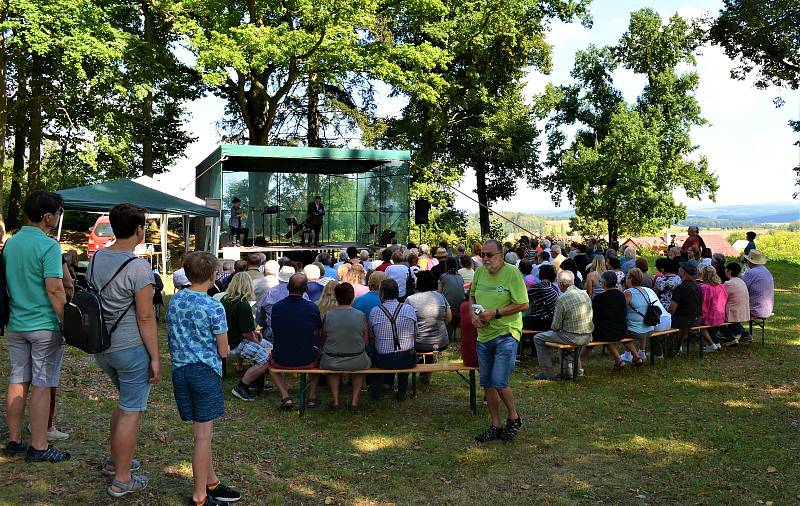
(380, 328)
(574, 312)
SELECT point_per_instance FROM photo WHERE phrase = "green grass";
(725, 429)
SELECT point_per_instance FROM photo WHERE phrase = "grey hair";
(630, 253)
(364, 255)
(496, 244)
(567, 278)
(719, 258)
(546, 244)
(227, 265)
(609, 279)
(343, 257)
(555, 248)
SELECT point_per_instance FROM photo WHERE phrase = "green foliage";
(625, 162)
(780, 245)
(587, 227)
(736, 236)
(479, 120)
(764, 37)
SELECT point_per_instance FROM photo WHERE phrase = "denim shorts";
(35, 357)
(496, 360)
(129, 369)
(198, 393)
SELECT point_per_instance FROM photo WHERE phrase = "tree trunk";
(313, 137)
(13, 220)
(147, 106)
(3, 116)
(35, 134)
(483, 209)
(613, 230)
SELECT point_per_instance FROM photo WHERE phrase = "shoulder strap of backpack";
(633, 308)
(121, 267)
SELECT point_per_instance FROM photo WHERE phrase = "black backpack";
(5, 298)
(652, 315)
(84, 324)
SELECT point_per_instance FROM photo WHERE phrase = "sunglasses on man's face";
(488, 255)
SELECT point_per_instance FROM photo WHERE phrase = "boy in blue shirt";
(198, 341)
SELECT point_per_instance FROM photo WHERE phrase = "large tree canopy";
(765, 36)
(625, 161)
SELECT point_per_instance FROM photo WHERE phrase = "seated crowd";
(346, 316)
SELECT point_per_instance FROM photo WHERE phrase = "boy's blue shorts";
(198, 393)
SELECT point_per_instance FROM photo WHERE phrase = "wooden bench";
(527, 333)
(565, 348)
(456, 367)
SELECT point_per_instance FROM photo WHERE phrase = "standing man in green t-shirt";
(498, 298)
(35, 346)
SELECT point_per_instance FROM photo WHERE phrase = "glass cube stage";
(364, 191)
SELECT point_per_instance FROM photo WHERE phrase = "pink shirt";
(737, 309)
(714, 299)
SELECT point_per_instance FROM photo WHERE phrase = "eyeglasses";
(488, 255)
(57, 213)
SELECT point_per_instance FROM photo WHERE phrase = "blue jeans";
(496, 359)
(129, 369)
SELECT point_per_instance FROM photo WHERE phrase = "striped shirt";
(380, 328)
(542, 298)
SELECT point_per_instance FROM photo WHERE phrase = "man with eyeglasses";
(33, 276)
(498, 298)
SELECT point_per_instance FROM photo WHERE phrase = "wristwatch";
(497, 314)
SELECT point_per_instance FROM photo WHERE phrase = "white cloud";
(567, 33)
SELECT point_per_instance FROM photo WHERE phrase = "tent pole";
(185, 234)
(60, 224)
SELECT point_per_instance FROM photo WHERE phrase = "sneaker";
(489, 434)
(745, 339)
(581, 373)
(13, 448)
(509, 432)
(730, 343)
(224, 493)
(626, 357)
(709, 349)
(51, 454)
(56, 435)
(242, 393)
(643, 354)
(717, 346)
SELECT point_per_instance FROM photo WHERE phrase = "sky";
(747, 141)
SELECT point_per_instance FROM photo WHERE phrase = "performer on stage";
(314, 219)
(235, 221)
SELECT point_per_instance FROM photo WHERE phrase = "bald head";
(298, 284)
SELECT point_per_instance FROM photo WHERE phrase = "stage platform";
(297, 251)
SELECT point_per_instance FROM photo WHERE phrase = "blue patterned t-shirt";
(193, 321)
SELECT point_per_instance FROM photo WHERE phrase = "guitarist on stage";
(235, 221)
(314, 219)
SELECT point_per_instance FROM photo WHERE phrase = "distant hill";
(737, 215)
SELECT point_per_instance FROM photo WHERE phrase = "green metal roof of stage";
(303, 160)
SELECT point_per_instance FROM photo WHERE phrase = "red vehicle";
(99, 235)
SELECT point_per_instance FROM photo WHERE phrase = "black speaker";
(421, 208)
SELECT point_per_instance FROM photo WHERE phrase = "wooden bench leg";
(576, 354)
(473, 393)
(303, 381)
(413, 384)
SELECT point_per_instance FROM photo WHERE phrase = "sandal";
(333, 407)
(618, 367)
(136, 484)
(109, 469)
(638, 363)
(354, 408)
(287, 404)
(313, 403)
